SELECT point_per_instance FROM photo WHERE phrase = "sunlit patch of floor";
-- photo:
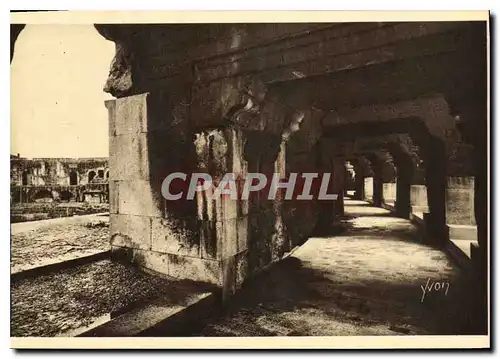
(391, 223)
(361, 208)
(367, 281)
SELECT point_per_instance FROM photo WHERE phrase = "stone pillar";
(326, 208)
(338, 185)
(267, 240)
(378, 186)
(435, 179)
(361, 170)
(359, 182)
(403, 189)
(149, 139)
(473, 120)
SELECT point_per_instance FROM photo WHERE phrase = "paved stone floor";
(366, 281)
(54, 240)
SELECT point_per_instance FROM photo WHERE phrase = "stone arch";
(25, 178)
(66, 196)
(43, 195)
(91, 175)
(73, 178)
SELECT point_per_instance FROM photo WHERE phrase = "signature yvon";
(434, 286)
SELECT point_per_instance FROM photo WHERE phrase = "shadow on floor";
(294, 299)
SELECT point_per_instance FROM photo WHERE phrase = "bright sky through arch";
(57, 101)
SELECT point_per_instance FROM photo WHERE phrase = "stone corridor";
(396, 112)
(364, 281)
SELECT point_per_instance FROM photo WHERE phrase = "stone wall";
(220, 239)
(57, 171)
(369, 188)
(389, 192)
(460, 201)
(239, 98)
(418, 198)
(53, 179)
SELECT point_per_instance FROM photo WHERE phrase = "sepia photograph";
(250, 179)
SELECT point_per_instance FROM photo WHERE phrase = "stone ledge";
(57, 266)
(178, 267)
(162, 317)
(457, 255)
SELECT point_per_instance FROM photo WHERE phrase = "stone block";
(463, 232)
(196, 269)
(136, 197)
(241, 268)
(418, 195)
(211, 233)
(460, 201)
(242, 228)
(129, 115)
(129, 157)
(130, 231)
(229, 242)
(368, 187)
(181, 237)
(229, 273)
(155, 261)
(389, 192)
(460, 206)
(219, 207)
(113, 197)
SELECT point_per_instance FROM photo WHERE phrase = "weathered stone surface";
(242, 233)
(235, 99)
(136, 197)
(389, 192)
(155, 261)
(211, 234)
(130, 115)
(132, 163)
(196, 269)
(181, 237)
(419, 197)
(130, 231)
(460, 201)
(369, 188)
(113, 197)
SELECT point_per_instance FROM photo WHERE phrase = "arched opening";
(73, 178)
(59, 87)
(107, 174)
(92, 175)
(43, 196)
(25, 178)
(100, 173)
(66, 196)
